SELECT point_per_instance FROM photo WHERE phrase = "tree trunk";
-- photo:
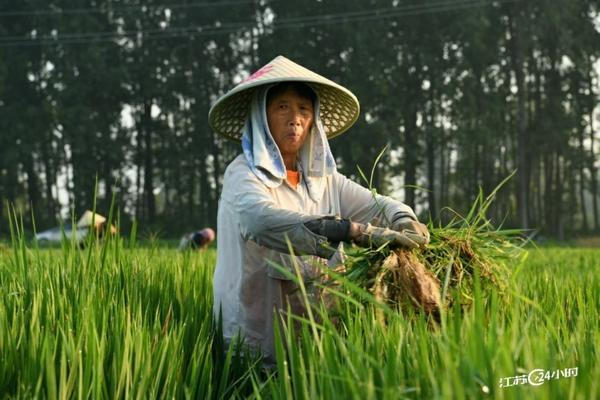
(540, 189)
(195, 192)
(139, 211)
(582, 182)
(165, 175)
(592, 158)
(410, 167)
(549, 210)
(180, 192)
(558, 192)
(444, 170)
(478, 165)
(569, 175)
(214, 193)
(150, 203)
(48, 157)
(430, 143)
(517, 52)
(536, 113)
(33, 191)
(108, 184)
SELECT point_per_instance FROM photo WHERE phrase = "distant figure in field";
(198, 240)
(98, 223)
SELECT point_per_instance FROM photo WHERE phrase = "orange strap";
(293, 178)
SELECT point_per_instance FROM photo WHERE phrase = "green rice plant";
(108, 321)
(114, 320)
(549, 321)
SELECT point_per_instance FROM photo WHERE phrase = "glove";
(370, 235)
(413, 229)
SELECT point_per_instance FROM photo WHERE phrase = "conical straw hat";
(339, 108)
(86, 219)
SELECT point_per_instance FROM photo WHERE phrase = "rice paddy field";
(115, 320)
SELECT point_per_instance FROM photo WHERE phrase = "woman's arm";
(359, 204)
(265, 222)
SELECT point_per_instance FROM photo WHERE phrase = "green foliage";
(436, 81)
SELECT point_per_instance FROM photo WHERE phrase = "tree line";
(110, 99)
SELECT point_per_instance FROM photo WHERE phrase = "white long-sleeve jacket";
(252, 226)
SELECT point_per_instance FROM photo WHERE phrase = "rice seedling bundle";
(445, 270)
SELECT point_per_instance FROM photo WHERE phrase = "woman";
(283, 201)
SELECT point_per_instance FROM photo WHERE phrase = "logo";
(537, 377)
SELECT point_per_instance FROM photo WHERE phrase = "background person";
(98, 224)
(198, 240)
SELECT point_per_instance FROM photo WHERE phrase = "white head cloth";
(264, 157)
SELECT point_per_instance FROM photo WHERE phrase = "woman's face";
(290, 118)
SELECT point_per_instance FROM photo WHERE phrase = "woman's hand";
(369, 235)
